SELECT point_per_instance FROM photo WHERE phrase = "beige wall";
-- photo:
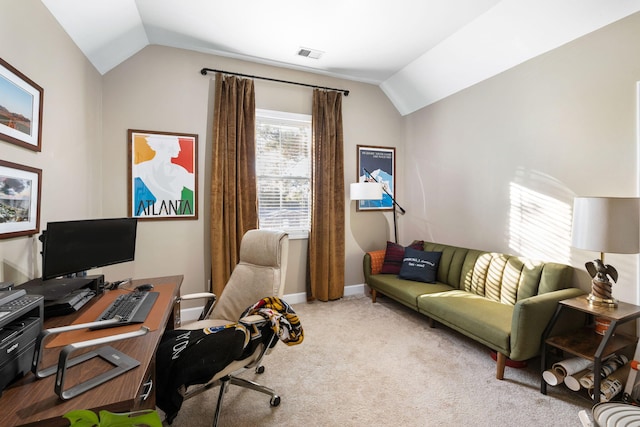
(493, 167)
(496, 166)
(71, 127)
(84, 156)
(162, 89)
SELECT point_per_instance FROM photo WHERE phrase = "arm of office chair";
(254, 319)
(208, 306)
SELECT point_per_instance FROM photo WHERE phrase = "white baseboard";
(191, 314)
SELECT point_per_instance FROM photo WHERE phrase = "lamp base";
(607, 302)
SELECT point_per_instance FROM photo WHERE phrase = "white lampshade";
(366, 191)
(606, 224)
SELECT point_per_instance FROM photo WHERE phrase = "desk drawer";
(146, 397)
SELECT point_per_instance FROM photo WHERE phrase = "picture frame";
(162, 175)
(377, 163)
(21, 101)
(20, 190)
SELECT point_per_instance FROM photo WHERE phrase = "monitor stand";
(65, 295)
(55, 289)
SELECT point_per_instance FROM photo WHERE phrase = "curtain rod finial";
(203, 71)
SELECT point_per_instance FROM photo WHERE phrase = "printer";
(21, 320)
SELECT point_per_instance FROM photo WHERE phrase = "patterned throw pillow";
(377, 259)
(394, 254)
(421, 266)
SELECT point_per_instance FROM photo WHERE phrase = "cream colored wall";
(86, 117)
(557, 126)
(496, 166)
(162, 89)
(34, 43)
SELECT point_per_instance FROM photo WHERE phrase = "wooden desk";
(30, 401)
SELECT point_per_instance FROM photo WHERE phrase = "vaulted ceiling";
(417, 51)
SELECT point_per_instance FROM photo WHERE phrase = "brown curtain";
(233, 179)
(326, 239)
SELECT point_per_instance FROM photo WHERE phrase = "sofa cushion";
(394, 254)
(404, 291)
(451, 262)
(420, 265)
(462, 311)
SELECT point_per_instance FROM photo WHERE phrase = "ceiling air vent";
(309, 53)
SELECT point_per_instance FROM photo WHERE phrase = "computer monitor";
(70, 247)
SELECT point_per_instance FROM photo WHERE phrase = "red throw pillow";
(395, 254)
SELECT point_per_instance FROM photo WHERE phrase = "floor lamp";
(605, 224)
(372, 190)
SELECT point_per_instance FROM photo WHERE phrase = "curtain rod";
(204, 73)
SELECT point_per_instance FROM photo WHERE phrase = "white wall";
(34, 43)
(496, 166)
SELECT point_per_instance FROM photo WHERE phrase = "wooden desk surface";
(29, 401)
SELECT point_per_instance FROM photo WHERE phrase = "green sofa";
(502, 301)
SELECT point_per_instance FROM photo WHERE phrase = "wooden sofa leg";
(374, 294)
(501, 361)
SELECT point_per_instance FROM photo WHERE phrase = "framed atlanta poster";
(163, 175)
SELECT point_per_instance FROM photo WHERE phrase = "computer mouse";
(144, 288)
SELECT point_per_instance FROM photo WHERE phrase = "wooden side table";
(586, 343)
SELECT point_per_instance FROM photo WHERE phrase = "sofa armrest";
(372, 263)
(532, 315)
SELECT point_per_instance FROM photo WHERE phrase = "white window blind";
(283, 171)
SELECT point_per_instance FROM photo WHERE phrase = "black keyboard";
(131, 308)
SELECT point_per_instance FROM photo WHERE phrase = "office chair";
(260, 273)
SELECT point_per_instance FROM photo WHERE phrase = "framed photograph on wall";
(19, 200)
(20, 108)
(379, 164)
(163, 175)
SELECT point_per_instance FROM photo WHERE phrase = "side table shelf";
(585, 342)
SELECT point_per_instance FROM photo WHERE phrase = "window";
(283, 171)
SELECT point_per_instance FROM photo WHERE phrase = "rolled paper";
(571, 366)
(612, 385)
(573, 381)
(608, 367)
(552, 377)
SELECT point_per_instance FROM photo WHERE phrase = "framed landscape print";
(20, 108)
(377, 164)
(19, 200)
(163, 175)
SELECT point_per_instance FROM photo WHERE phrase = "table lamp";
(605, 224)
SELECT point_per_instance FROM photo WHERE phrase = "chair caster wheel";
(275, 401)
(260, 369)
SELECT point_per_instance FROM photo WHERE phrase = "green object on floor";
(86, 418)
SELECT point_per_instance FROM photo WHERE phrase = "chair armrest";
(208, 306)
(532, 315)
(253, 319)
(197, 295)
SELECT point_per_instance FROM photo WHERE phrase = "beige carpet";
(364, 364)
